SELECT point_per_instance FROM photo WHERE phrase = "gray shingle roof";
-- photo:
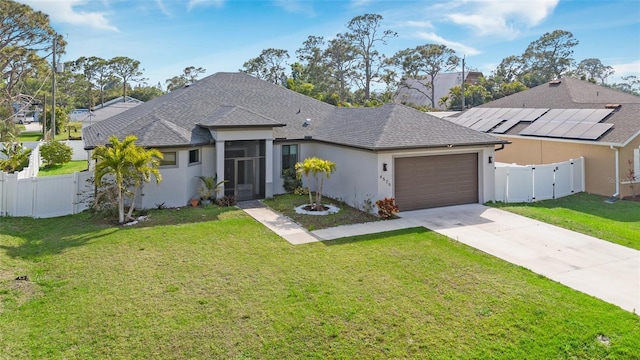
(236, 116)
(395, 126)
(240, 100)
(577, 94)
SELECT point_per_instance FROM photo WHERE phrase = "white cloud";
(64, 11)
(458, 47)
(163, 8)
(501, 18)
(632, 68)
(194, 3)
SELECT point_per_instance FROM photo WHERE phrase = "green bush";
(17, 157)
(55, 152)
(290, 181)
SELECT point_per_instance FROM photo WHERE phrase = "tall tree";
(593, 69)
(270, 65)
(24, 34)
(423, 63)
(129, 164)
(145, 93)
(549, 57)
(365, 33)
(126, 69)
(314, 68)
(630, 84)
(510, 68)
(103, 74)
(340, 56)
(189, 76)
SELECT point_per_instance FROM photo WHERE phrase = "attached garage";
(433, 181)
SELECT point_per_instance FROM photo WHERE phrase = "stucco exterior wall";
(360, 174)
(179, 183)
(626, 154)
(600, 174)
(355, 178)
(486, 171)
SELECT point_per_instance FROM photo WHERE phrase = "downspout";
(617, 156)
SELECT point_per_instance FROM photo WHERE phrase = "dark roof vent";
(555, 82)
(612, 106)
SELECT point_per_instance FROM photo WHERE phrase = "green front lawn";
(213, 283)
(62, 169)
(29, 136)
(589, 214)
(286, 203)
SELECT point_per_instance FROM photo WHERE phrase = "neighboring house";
(247, 131)
(565, 119)
(414, 91)
(104, 111)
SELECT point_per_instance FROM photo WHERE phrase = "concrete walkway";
(599, 268)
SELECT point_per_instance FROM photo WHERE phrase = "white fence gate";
(43, 197)
(516, 183)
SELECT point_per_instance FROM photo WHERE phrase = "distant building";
(104, 111)
(414, 91)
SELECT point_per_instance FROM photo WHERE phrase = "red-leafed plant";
(387, 208)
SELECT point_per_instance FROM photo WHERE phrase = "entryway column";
(268, 172)
(220, 164)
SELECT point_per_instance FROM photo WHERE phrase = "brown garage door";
(433, 181)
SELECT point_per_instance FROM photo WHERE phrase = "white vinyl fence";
(517, 183)
(26, 194)
(43, 197)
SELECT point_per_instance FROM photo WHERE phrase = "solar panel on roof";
(599, 115)
(548, 128)
(531, 129)
(469, 121)
(578, 115)
(562, 129)
(481, 123)
(506, 126)
(552, 114)
(534, 114)
(473, 112)
(596, 131)
(490, 125)
(577, 130)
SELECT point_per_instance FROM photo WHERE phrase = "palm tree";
(315, 166)
(326, 167)
(144, 162)
(128, 164)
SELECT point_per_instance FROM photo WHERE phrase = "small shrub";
(367, 205)
(387, 208)
(55, 152)
(290, 182)
(227, 200)
(301, 191)
(17, 157)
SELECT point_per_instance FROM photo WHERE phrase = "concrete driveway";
(599, 268)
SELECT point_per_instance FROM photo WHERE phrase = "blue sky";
(220, 35)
